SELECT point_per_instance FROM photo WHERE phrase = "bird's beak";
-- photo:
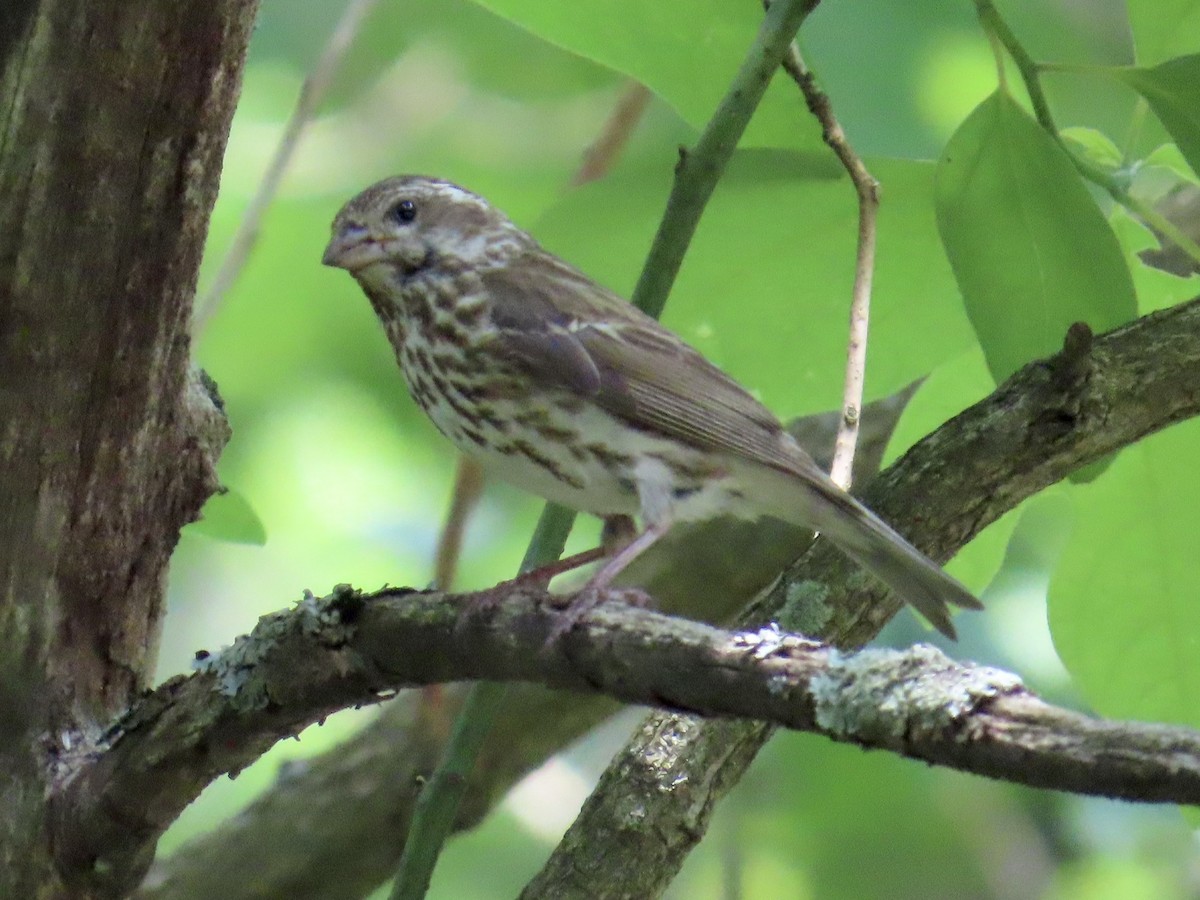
(352, 249)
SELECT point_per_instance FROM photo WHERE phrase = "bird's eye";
(404, 212)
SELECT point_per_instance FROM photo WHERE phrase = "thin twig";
(468, 488)
(312, 92)
(867, 189)
(600, 157)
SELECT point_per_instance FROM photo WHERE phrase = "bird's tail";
(882, 551)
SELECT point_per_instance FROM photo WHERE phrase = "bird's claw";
(576, 607)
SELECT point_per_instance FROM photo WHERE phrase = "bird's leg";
(543, 575)
(618, 532)
(592, 594)
(620, 560)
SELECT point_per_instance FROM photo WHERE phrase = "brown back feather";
(647, 375)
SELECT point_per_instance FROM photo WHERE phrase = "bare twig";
(468, 488)
(620, 779)
(867, 189)
(312, 92)
(604, 152)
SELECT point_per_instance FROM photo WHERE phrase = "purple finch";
(560, 386)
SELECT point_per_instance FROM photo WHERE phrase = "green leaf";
(1095, 145)
(1029, 247)
(1123, 609)
(454, 38)
(1173, 91)
(1039, 536)
(765, 289)
(228, 516)
(1164, 28)
(1167, 157)
(688, 59)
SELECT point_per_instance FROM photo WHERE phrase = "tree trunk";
(114, 119)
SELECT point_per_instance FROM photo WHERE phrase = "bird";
(562, 387)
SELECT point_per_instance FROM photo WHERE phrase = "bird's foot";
(482, 603)
(575, 607)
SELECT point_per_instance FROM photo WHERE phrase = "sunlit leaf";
(1173, 91)
(687, 59)
(1123, 607)
(1095, 145)
(228, 516)
(1030, 249)
(1164, 28)
(1168, 157)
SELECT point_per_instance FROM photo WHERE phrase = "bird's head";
(411, 224)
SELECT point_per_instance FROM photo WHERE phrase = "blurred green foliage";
(505, 96)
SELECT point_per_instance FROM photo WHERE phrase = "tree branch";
(351, 648)
(303, 831)
(867, 189)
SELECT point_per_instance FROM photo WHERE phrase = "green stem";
(994, 24)
(695, 179)
(700, 168)
(437, 806)
(440, 798)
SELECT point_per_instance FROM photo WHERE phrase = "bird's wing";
(639, 371)
(535, 337)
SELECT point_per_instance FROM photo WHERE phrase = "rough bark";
(350, 648)
(114, 120)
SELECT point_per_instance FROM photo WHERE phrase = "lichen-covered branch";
(351, 648)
